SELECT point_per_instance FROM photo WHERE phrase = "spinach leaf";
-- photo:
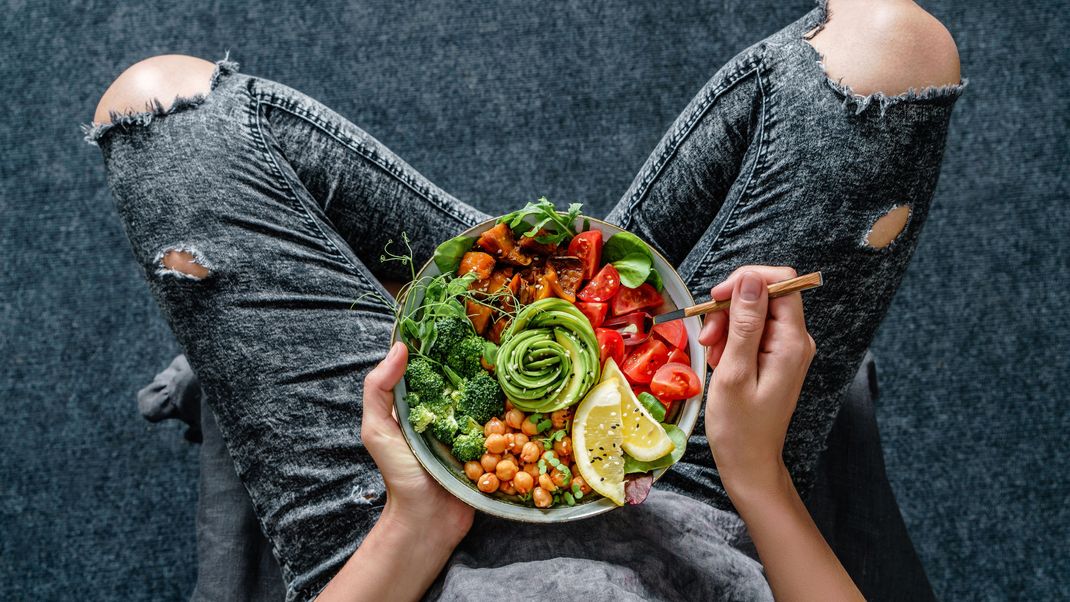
(679, 441)
(655, 280)
(633, 259)
(652, 405)
(490, 353)
(622, 244)
(634, 269)
(448, 254)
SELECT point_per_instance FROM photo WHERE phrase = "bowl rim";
(481, 501)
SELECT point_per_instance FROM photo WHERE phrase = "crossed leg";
(259, 218)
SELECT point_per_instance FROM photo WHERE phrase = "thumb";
(379, 383)
(746, 322)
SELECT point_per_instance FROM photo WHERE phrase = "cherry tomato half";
(679, 356)
(632, 299)
(588, 247)
(675, 381)
(674, 333)
(603, 287)
(640, 366)
(610, 345)
(595, 312)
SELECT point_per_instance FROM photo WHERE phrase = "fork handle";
(777, 289)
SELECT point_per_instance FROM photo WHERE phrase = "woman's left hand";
(413, 499)
(421, 522)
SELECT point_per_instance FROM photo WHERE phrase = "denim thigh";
(288, 317)
(774, 163)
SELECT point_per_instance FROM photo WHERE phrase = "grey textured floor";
(500, 104)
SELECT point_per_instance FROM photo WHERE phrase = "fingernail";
(395, 349)
(750, 287)
(707, 330)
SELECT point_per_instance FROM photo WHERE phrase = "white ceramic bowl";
(444, 468)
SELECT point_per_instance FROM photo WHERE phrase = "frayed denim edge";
(198, 258)
(95, 131)
(861, 103)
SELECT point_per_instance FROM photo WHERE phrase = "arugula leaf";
(556, 225)
(652, 405)
(634, 269)
(679, 441)
(448, 254)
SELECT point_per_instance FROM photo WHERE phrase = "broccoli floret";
(421, 417)
(464, 357)
(445, 426)
(481, 398)
(422, 378)
(449, 332)
(469, 444)
(413, 399)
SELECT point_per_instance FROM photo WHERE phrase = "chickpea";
(560, 418)
(505, 470)
(532, 469)
(519, 439)
(563, 447)
(508, 405)
(473, 470)
(547, 483)
(514, 418)
(523, 482)
(530, 452)
(510, 441)
(494, 427)
(528, 427)
(578, 481)
(495, 444)
(542, 498)
(558, 478)
(510, 458)
(507, 487)
(490, 461)
(488, 483)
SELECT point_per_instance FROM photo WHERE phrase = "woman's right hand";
(760, 351)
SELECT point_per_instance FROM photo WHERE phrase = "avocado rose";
(548, 357)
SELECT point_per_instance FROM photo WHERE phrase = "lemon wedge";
(597, 439)
(644, 437)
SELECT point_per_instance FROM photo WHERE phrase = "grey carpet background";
(499, 103)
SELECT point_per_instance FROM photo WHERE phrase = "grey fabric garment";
(289, 206)
(173, 394)
(670, 547)
(234, 559)
(851, 503)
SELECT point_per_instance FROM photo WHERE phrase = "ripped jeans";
(285, 207)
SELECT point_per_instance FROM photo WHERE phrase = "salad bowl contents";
(537, 389)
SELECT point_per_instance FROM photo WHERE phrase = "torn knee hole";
(888, 227)
(185, 263)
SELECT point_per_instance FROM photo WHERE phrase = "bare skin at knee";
(888, 227)
(887, 46)
(185, 263)
(160, 78)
